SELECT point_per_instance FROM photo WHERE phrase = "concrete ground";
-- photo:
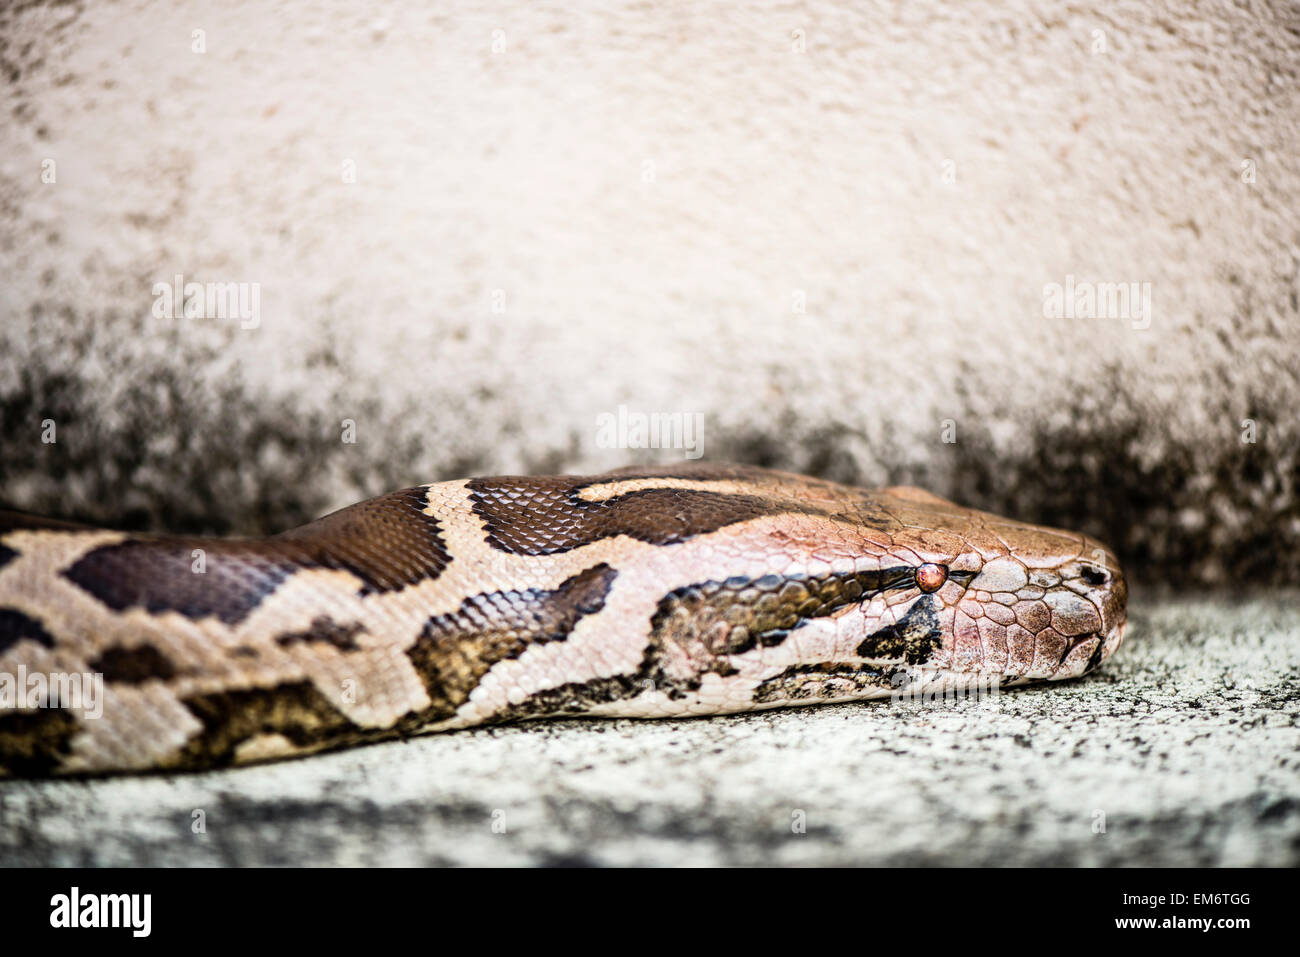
(1185, 748)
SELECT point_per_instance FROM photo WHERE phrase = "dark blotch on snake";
(454, 651)
(544, 516)
(914, 638)
(35, 742)
(828, 679)
(133, 666)
(325, 630)
(297, 711)
(16, 626)
(386, 542)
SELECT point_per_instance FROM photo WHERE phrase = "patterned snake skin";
(691, 590)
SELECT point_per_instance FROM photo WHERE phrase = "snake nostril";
(1095, 576)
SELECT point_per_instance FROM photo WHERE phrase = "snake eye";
(930, 577)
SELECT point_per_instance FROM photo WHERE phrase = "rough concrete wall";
(825, 227)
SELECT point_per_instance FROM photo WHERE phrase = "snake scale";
(645, 592)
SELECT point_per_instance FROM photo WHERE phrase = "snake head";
(1020, 600)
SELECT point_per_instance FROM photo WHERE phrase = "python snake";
(644, 592)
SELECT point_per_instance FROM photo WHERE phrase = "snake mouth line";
(1078, 641)
(1106, 643)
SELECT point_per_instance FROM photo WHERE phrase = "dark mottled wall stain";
(180, 452)
(1115, 473)
(1108, 484)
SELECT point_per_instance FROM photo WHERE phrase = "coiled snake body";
(651, 592)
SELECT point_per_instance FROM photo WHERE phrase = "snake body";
(645, 592)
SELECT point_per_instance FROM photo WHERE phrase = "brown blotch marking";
(913, 638)
(545, 515)
(298, 711)
(827, 679)
(456, 650)
(158, 575)
(325, 630)
(134, 665)
(16, 626)
(575, 698)
(734, 616)
(386, 542)
(35, 743)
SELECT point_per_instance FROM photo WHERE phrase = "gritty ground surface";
(1187, 745)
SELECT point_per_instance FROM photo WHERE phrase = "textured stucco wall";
(624, 203)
